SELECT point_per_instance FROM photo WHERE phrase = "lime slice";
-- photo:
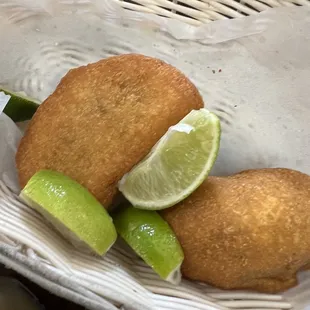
(19, 108)
(71, 209)
(177, 164)
(153, 240)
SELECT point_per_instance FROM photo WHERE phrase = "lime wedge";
(78, 216)
(153, 240)
(177, 164)
(19, 108)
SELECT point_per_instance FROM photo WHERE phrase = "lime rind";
(72, 210)
(152, 239)
(19, 108)
(138, 187)
(56, 223)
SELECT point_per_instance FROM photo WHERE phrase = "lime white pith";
(71, 209)
(4, 99)
(177, 165)
(153, 240)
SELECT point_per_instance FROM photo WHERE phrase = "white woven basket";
(196, 12)
(28, 244)
(120, 277)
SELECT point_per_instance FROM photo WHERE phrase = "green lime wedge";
(20, 108)
(78, 216)
(153, 240)
(177, 164)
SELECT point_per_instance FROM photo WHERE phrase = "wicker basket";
(197, 12)
(28, 244)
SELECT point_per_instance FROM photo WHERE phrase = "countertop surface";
(49, 301)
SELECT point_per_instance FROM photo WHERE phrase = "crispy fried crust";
(250, 230)
(103, 119)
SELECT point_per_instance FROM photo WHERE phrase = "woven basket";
(29, 245)
(197, 12)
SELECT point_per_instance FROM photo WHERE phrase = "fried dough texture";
(247, 231)
(103, 119)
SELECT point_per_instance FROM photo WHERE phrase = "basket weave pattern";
(28, 244)
(197, 12)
